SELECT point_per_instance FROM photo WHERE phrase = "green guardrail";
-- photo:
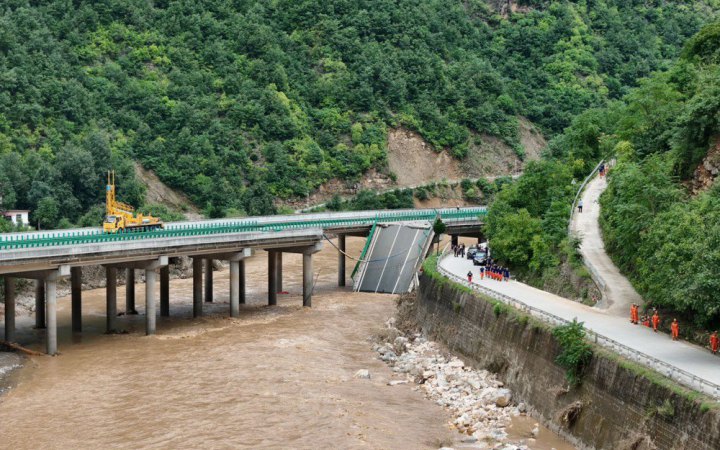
(59, 238)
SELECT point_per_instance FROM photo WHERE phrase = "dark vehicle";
(479, 258)
(470, 252)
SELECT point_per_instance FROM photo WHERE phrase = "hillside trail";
(618, 293)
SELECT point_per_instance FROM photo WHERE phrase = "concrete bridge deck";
(49, 256)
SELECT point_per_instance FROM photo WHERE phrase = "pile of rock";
(480, 405)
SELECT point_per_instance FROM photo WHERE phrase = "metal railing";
(674, 373)
(261, 224)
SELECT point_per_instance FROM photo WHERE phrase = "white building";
(18, 216)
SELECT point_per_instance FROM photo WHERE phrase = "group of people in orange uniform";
(654, 322)
(496, 273)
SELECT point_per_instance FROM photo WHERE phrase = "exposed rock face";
(708, 170)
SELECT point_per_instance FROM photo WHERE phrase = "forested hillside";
(661, 211)
(239, 102)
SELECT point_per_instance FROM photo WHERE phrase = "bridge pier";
(197, 286)
(76, 298)
(454, 240)
(241, 281)
(272, 278)
(237, 281)
(9, 309)
(130, 292)
(111, 299)
(341, 260)
(165, 291)
(51, 304)
(150, 310)
(40, 304)
(279, 267)
(208, 280)
(307, 279)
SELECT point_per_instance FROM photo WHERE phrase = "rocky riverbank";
(481, 407)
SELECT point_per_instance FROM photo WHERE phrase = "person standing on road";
(462, 250)
(675, 329)
(655, 321)
(633, 313)
(482, 273)
(580, 205)
(469, 275)
(714, 342)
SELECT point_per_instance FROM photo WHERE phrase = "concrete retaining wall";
(618, 406)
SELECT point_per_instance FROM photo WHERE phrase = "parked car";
(479, 258)
(470, 252)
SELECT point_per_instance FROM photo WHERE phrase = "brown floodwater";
(277, 377)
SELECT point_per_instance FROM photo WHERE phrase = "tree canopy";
(239, 103)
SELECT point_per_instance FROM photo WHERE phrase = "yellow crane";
(120, 217)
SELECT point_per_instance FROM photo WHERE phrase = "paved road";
(688, 357)
(617, 291)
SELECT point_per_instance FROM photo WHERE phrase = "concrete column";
(272, 278)
(51, 300)
(150, 277)
(278, 267)
(130, 292)
(307, 279)
(234, 288)
(111, 299)
(165, 291)
(454, 239)
(341, 260)
(241, 281)
(9, 309)
(76, 298)
(197, 287)
(40, 304)
(209, 280)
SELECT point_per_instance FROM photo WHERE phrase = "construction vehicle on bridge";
(120, 217)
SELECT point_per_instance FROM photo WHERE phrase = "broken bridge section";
(392, 258)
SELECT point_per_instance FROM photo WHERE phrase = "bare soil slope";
(415, 162)
(159, 192)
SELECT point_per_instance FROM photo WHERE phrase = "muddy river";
(278, 377)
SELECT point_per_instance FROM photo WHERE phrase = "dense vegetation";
(665, 238)
(240, 102)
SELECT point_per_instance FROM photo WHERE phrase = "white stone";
(362, 373)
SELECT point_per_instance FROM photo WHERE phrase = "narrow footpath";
(618, 293)
(682, 355)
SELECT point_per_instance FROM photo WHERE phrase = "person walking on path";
(469, 275)
(655, 321)
(675, 330)
(462, 250)
(482, 273)
(580, 205)
(714, 342)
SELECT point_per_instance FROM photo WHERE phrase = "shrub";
(576, 353)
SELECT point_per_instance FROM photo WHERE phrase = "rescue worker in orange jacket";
(655, 321)
(675, 329)
(714, 342)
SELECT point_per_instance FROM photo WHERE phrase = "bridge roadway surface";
(692, 359)
(356, 222)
